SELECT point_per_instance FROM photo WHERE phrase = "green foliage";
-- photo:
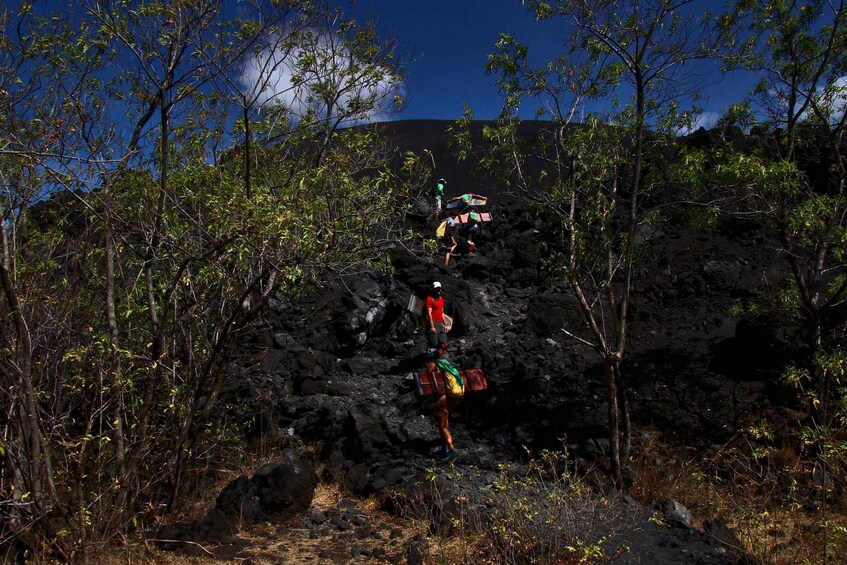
(799, 184)
(131, 287)
(741, 309)
(739, 115)
(592, 179)
(549, 516)
(772, 182)
(540, 513)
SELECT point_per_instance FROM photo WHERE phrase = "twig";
(576, 337)
(183, 541)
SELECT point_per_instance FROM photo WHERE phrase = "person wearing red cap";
(435, 316)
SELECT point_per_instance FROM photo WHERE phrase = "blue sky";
(450, 40)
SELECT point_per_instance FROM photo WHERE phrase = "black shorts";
(438, 336)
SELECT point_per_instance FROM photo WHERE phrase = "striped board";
(415, 305)
(432, 384)
(483, 217)
(476, 200)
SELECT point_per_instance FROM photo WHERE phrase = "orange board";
(483, 217)
(432, 384)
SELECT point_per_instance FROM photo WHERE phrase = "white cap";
(436, 284)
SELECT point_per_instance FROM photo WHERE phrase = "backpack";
(453, 381)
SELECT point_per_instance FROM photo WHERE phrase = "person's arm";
(429, 317)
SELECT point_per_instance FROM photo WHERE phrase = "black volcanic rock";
(340, 361)
(285, 487)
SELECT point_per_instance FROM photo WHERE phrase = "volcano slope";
(693, 370)
(335, 369)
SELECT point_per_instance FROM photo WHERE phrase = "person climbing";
(454, 389)
(437, 196)
(435, 316)
(449, 237)
(471, 229)
(465, 200)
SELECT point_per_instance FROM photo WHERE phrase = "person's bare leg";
(449, 252)
(442, 416)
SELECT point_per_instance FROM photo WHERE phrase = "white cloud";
(830, 98)
(833, 98)
(296, 80)
(705, 120)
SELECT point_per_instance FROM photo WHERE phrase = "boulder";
(286, 487)
(675, 513)
(547, 314)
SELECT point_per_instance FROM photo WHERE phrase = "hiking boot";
(450, 456)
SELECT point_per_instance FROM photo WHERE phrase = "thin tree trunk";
(625, 427)
(612, 396)
(38, 474)
(212, 378)
(247, 156)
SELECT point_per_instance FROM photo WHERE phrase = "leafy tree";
(799, 182)
(593, 177)
(42, 70)
(796, 180)
(130, 287)
(260, 74)
(154, 71)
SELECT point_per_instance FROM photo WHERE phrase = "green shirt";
(439, 189)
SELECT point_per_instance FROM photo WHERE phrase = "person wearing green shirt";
(465, 200)
(437, 195)
(471, 229)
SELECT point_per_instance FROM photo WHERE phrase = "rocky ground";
(334, 371)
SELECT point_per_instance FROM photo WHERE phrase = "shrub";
(537, 513)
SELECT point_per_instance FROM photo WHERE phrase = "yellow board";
(441, 229)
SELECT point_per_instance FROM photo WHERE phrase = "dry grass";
(760, 499)
(275, 542)
(538, 513)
